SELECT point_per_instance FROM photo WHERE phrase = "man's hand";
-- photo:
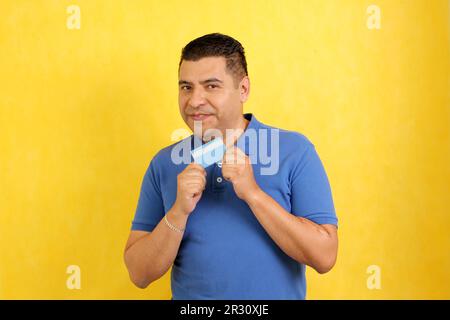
(190, 185)
(236, 167)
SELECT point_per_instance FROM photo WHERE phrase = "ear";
(244, 88)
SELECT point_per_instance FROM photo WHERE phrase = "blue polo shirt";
(225, 253)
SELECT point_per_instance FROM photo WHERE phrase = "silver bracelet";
(172, 226)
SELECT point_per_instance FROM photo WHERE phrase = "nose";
(197, 98)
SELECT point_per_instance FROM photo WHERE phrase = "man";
(228, 230)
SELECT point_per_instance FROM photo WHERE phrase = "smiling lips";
(199, 116)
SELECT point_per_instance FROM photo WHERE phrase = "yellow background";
(82, 112)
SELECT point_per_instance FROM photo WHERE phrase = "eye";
(212, 86)
(185, 87)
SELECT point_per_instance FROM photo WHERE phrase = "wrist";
(178, 216)
(178, 209)
(254, 196)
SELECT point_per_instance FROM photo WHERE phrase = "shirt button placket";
(219, 185)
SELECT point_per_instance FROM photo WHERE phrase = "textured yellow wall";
(82, 111)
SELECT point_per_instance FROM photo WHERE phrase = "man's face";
(207, 93)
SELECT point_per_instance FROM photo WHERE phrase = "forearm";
(300, 238)
(151, 256)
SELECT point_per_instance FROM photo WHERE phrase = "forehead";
(203, 68)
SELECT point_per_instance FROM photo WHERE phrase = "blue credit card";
(209, 153)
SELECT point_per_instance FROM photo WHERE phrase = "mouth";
(199, 116)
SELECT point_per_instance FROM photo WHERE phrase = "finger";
(195, 165)
(234, 160)
(229, 156)
(195, 188)
(229, 176)
(197, 168)
(194, 184)
(195, 175)
(197, 179)
(235, 152)
(230, 172)
(229, 165)
(231, 150)
(240, 153)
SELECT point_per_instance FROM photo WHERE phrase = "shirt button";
(219, 164)
(219, 179)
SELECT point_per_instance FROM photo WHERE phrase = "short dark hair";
(218, 45)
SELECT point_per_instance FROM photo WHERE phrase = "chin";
(206, 124)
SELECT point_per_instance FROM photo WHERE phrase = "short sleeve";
(311, 196)
(150, 208)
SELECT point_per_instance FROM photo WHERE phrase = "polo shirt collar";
(253, 125)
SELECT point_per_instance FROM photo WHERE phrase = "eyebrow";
(210, 80)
